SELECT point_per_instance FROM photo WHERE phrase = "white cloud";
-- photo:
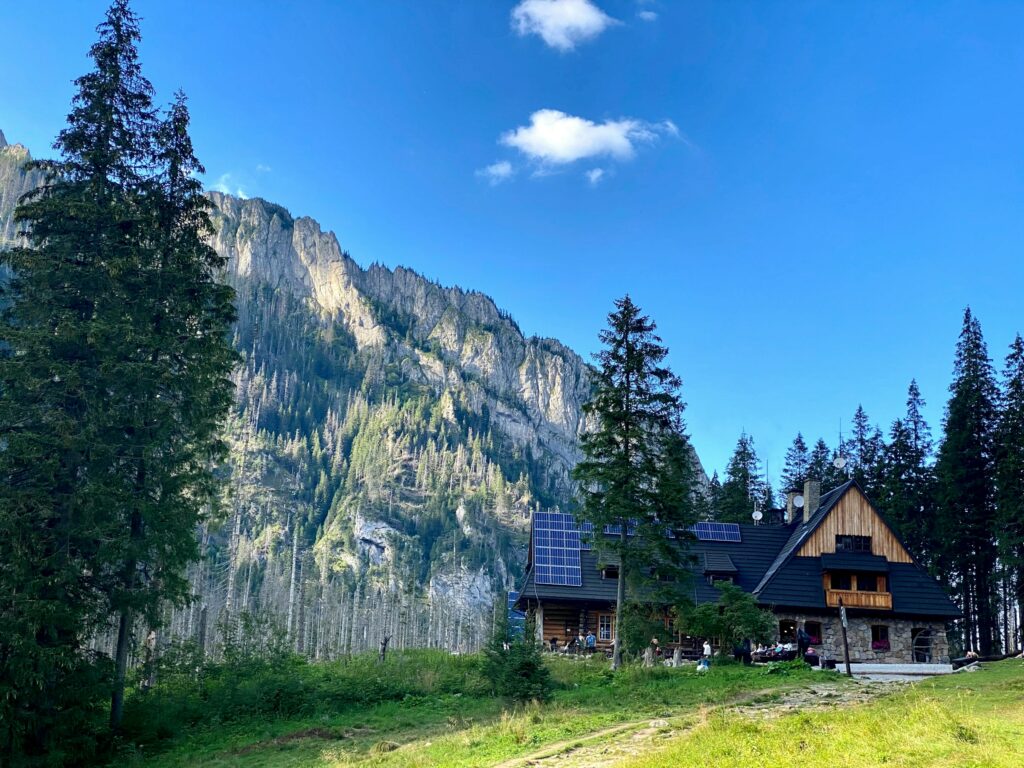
(648, 15)
(226, 185)
(495, 173)
(555, 138)
(261, 168)
(562, 24)
(594, 175)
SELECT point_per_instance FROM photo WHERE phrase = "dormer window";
(847, 543)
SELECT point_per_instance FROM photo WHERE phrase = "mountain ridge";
(390, 437)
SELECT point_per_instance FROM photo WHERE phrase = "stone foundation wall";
(859, 637)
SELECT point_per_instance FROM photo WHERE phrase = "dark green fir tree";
(1010, 474)
(965, 483)
(797, 467)
(636, 473)
(907, 491)
(743, 486)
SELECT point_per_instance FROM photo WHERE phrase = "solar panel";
(706, 531)
(556, 549)
(586, 535)
(615, 530)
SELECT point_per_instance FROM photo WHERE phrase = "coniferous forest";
(955, 499)
(220, 437)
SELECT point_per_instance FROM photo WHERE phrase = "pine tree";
(743, 485)
(907, 491)
(819, 465)
(119, 364)
(964, 470)
(60, 441)
(176, 317)
(865, 454)
(797, 467)
(637, 470)
(1010, 470)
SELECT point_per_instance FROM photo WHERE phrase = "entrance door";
(921, 643)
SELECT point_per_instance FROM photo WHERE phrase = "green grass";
(438, 727)
(968, 719)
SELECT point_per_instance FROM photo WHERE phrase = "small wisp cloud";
(495, 173)
(562, 24)
(226, 184)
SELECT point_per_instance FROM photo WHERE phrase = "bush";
(515, 665)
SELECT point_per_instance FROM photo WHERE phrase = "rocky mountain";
(389, 440)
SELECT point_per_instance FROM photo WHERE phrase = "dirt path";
(605, 748)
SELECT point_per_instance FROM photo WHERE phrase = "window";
(867, 582)
(879, 637)
(841, 580)
(813, 628)
(845, 543)
(604, 627)
(610, 572)
(787, 631)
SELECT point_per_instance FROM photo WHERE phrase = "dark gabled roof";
(854, 561)
(798, 584)
(800, 532)
(719, 563)
(748, 558)
(764, 562)
(915, 592)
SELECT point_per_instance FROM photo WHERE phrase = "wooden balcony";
(880, 601)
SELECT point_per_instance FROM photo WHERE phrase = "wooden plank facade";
(854, 515)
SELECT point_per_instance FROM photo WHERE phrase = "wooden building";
(837, 546)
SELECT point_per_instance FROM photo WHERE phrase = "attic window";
(846, 543)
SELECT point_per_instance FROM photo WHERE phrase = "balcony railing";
(855, 599)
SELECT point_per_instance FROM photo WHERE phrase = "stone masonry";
(859, 636)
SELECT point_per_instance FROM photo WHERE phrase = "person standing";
(803, 642)
(707, 651)
(591, 642)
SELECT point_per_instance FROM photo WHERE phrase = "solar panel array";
(556, 549)
(586, 535)
(705, 531)
(615, 530)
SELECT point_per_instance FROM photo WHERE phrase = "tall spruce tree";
(965, 474)
(907, 491)
(637, 470)
(796, 469)
(62, 450)
(1010, 473)
(865, 454)
(176, 362)
(743, 486)
(112, 387)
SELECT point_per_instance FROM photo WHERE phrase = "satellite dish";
(839, 462)
(798, 502)
(757, 514)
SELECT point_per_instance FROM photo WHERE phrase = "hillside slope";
(389, 439)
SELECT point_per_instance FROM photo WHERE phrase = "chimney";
(790, 506)
(812, 496)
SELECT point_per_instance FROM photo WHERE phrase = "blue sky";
(804, 196)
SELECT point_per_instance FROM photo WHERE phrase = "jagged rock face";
(15, 181)
(534, 388)
(390, 437)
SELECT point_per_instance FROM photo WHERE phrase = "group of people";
(580, 644)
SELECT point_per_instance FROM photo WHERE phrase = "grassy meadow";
(426, 708)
